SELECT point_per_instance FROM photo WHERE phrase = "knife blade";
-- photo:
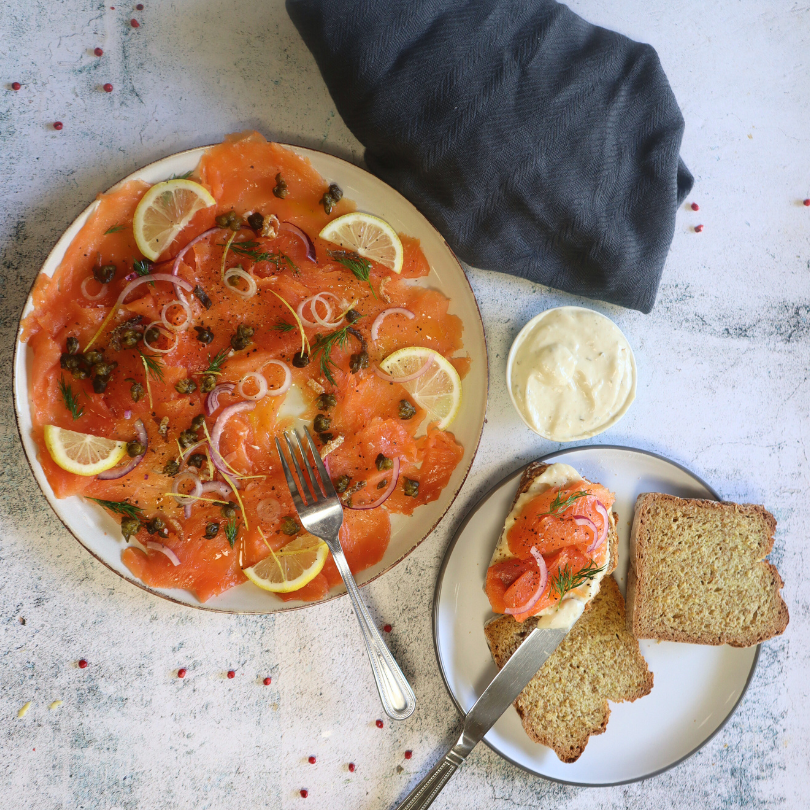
(501, 693)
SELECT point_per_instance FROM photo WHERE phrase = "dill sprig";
(215, 365)
(325, 343)
(356, 263)
(248, 249)
(566, 580)
(114, 229)
(120, 507)
(231, 530)
(559, 504)
(143, 267)
(152, 365)
(183, 176)
(70, 399)
(283, 326)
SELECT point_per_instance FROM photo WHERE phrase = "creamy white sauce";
(570, 608)
(572, 374)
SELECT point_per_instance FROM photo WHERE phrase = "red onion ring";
(174, 327)
(194, 241)
(260, 382)
(186, 476)
(407, 378)
(388, 490)
(216, 433)
(581, 520)
(120, 472)
(175, 560)
(601, 533)
(181, 282)
(375, 327)
(538, 591)
(212, 400)
(100, 294)
(238, 272)
(303, 236)
(127, 414)
(220, 487)
(167, 332)
(285, 386)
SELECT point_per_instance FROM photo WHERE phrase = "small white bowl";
(518, 341)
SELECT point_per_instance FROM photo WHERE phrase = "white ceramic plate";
(696, 687)
(101, 535)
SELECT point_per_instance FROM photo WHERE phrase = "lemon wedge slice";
(369, 236)
(438, 390)
(164, 211)
(82, 453)
(290, 568)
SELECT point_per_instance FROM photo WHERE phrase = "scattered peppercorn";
(255, 220)
(187, 438)
(311, 760)
(358, 361)
(353, 316)
(242, 338)
(267, 681)
(157, 526)
(196, 460)
(695, 207)
(229, 510)
(139, 7)
(290, 525)
(325, 402)
(379, 723)
(98, 52)
(406, 409)
(304, 793)
(135, 449)
(134, 23)
(806, 202)
(185, 386)
(129, 527)
(280, 188)
(321, 423)
(300, 360)
(211, 530)
(698, 228)
(408, 754)
(181, 673)
(410, 487)
(202, 297)
(15, 85)
(57, 125)
(231, 674)
(387, 628)
(198, 421)
(82, 663)
(351, 767)
(342, 483)
(204, 334)
(383, 462)
(171, 468)
(108, 88)
(208, 382)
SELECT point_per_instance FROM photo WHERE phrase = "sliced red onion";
(127, 414)
(212, 400)
(238, 272)
(216, 433)
(285, 386)
(407, 378)
(186, 476)
(308, 243)
(260, 382)
(538, 591)
(220, 487)
(313, 301)
(167, 333)
(375, 327)
(164, 550)
(388, 490)
(581, 520)
(181, 282)
(268, 510)
(173, 326)
(194, 241)
(603, 533)
(189, 450)
(120, 472)
(100, 294)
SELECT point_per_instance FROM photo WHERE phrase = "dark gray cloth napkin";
(538, 144)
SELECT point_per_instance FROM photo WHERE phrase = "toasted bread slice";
(698, 572)
(599, 660)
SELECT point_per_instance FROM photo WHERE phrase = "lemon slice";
(290, 568)
(438, 390)
(82, 453)
(373, 238)
(164, 211)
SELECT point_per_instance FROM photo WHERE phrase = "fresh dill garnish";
(356, 263)
(249, 250)
(230, 531)
(120, 507)
(559, 504)
(114, 229)
(184, 176)
(215, 365)
(70, 399)
(283, 326)
(324, 345)
(153, 365)
(566, 580)
(142, 267)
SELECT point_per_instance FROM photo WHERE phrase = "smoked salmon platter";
(203, 305)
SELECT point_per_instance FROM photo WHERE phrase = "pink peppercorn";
(379, 724)
(98, 52)
(134, 23)
(82, 663)
(57, 125)
(698, 228)
(108, 88)
(387, 628)
(139, 7)
(695, 207)
(304, 793)
(311, 760)
(806, 202)
(231, 673)
(181, 673)
(408, 754)
(15, 85)
(267, 681)
(351, 767)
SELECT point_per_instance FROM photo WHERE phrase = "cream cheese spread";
(570, 608)
(571, 374)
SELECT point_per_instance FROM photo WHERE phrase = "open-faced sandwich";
(551, 568)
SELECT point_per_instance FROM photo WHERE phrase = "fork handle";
(396, 694)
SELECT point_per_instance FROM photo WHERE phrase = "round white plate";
(696, 687)
(101, 535)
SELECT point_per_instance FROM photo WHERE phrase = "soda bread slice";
(698, 573)
(599, 660)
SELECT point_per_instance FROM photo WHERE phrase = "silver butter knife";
(496, 699)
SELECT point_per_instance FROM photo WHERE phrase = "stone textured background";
(723, 388)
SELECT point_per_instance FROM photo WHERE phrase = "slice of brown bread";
(698, 573)
(599, 660)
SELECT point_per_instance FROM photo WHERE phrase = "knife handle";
(428, 789)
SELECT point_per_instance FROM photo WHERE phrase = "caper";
(358, 361)
(229, 510)
(410, 487)
(136, 391)
(196, 460)
(326, 402)
(321, 423)
(100, 384)
(245, 331)
(255, 220)
(129, 338)
(208, 383)
(103, 369)
(383, 462)
(68, 361)
(280, 188)
(104, 274)
(202, 297)
(211, 530)
(290, 525)
(157, 526)
(328, 202)
(204, 334)
(300, 360)
(171, 469)
(326, 437)
(185, 386)
(151, 334)
(242, 338)
(353, 316)
(383, 484)
(163, 427)
(130, 526)
(406, 409)
(187, 438)
(222, 220)
(80, 373)
(335, 192)
(72, 345)
(198, 421)
(135, 449)
(93, 357)
(342, 483)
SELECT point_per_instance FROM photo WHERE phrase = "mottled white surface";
(723, 388)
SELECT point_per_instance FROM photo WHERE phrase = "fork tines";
(314, 488)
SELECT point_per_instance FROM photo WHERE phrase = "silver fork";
(323, 517)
